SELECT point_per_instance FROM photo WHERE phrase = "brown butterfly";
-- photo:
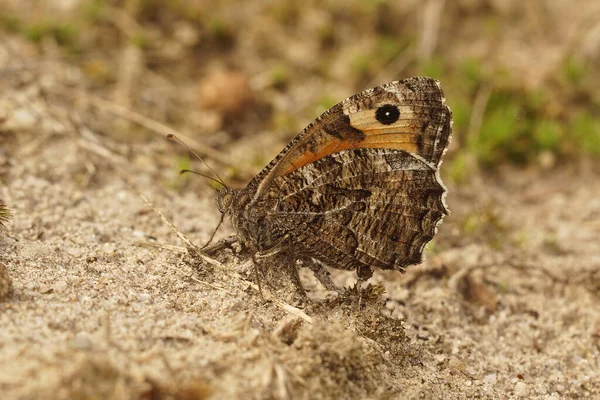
(358, 188)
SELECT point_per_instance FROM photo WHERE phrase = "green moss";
(547, 135)
(361, 64)
(486, 225)
(432, 248)
(175, 9)
(388, 47)
(324, 103)
(521, 239)
(280, 75)
(94, 10)
(461, 114)
(459, 169)
(585, 130)
(139, 39)
(471, 72)
(492, 25)
(536, 101)
(326, 34)
(35, 32)
(178, 182)
(66, 34)
(471, 224)
(10, 23)
(433, 68)
(499, 132)
(503, 288)
(283, 122)
(218, 27)
(573, 71)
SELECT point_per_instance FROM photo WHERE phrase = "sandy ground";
(506, 305)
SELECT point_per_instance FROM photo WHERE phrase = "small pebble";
(521, 389)
(81, 342)
(60, 286)
(45, 289)
(144, 297)
(23, 119)
(456, 364)
(490, 379)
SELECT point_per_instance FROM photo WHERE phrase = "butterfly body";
(358, 188)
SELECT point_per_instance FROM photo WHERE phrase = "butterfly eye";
(387, 114)
(224, 200)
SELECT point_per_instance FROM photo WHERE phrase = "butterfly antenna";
(176, 139)
(185, 171)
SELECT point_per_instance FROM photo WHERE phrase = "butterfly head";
(225, 199)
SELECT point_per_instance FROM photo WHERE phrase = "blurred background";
(244, 77)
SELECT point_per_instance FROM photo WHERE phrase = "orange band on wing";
(400, 141)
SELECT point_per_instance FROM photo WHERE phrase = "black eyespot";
(387, 114)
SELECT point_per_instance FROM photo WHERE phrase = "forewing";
(408, 115)
(362, 207)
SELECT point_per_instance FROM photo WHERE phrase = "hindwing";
(362, 207)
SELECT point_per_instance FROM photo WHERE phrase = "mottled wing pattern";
(351, 214)
(422, 127)
(360, 186)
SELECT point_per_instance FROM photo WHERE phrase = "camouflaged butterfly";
(358, 188)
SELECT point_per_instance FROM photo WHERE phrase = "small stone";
(186, 33)
(456, 364)
(521, 389)
(81, 342)
(109, 248)
(144, 297)
(74, 251)
(46, 289)
(490, 379)
(23, 119)
(60, 286)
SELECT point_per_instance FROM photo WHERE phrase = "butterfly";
(359, 188)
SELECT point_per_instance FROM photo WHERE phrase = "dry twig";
(150, 124)
(215, 263)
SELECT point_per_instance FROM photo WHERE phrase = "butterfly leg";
(257, 275)
(364, 273)
(322, 274)
(282, 263)
(212, 236)
(277, 254)
(292, 270)
(231, 242)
